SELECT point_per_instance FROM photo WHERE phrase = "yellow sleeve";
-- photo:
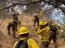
(47, 29)
(15, 44)
(32, 44)
(33, 18)
(40, 31)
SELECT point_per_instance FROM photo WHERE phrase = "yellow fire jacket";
(31, 43)
(44, 33)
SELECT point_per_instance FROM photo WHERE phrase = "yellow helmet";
(11, 20)
(23, 30)
(42, 23)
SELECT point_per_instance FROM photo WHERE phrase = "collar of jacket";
(23, 38)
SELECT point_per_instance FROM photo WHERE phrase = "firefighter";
(36, 20)
(13, 24)
(54, 32)
(44, 32)
(24, 40)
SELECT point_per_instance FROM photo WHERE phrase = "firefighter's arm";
(58, 30)
(40, 31)
(32, 18)
(19, 22)
(47, 29)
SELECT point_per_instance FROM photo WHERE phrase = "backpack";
(22, 44)
(53, 28)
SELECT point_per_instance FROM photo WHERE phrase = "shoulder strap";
(18, 44)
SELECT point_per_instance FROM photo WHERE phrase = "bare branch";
(20, 4)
